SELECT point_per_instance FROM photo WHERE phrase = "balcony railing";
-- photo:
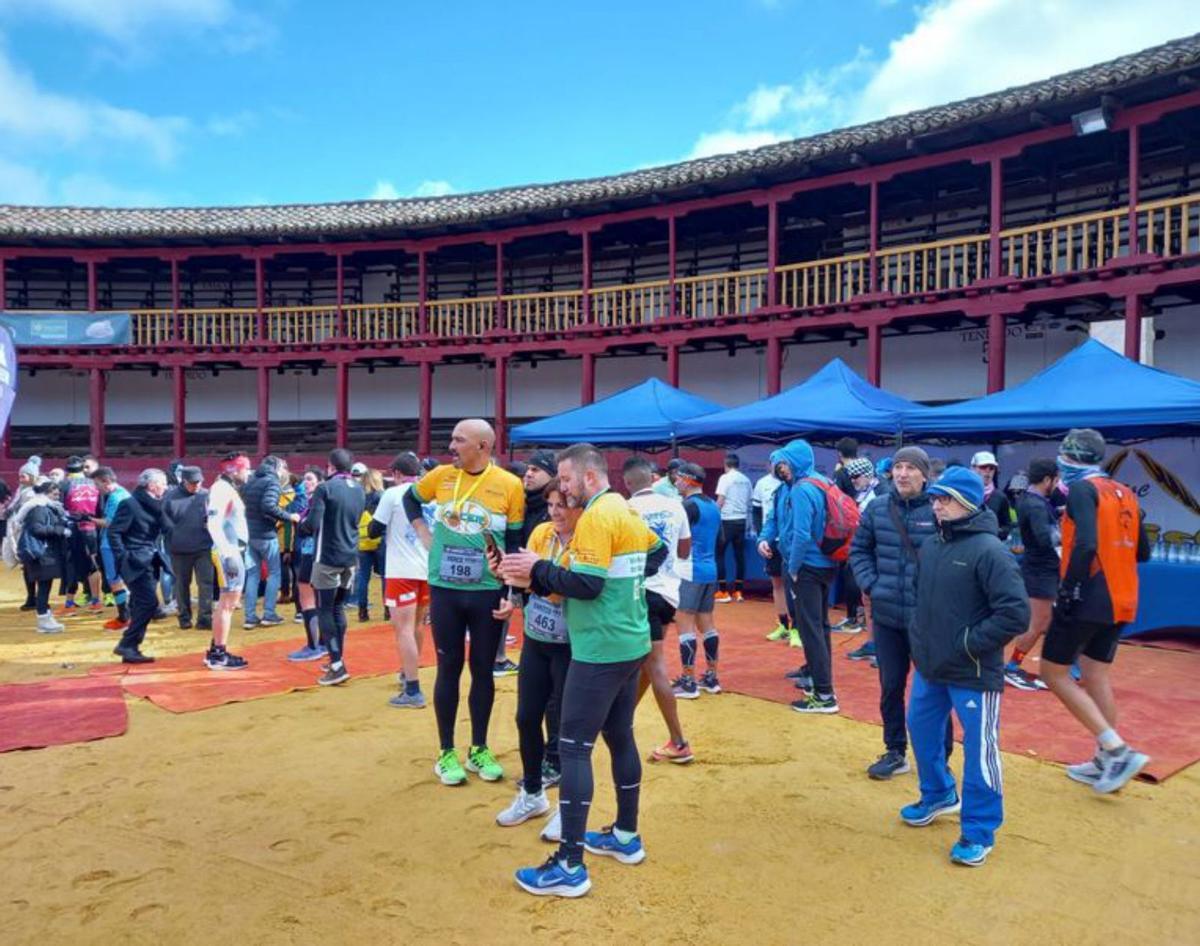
(1167, 228)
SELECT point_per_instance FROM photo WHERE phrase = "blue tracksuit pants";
(982, 794)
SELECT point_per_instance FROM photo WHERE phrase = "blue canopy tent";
(1092, 386)
(645, 414)
(834, 401)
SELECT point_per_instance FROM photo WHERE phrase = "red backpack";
(841, 520)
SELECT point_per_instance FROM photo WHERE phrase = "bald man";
(473, 497)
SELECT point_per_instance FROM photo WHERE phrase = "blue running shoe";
(923, 812)
(306, 653)
(1076, 673)
(972, 855)
(552, 879)
(605, 842)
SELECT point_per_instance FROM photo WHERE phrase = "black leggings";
(41, 595)
(331, 617)
(453, 613)
(733, 532)
(597, 698)
(30, 588)
(539, 684)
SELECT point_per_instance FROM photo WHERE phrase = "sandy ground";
(315, 817)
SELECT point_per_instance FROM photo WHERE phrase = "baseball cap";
(359, 469)
(191, 474)
(984, 458)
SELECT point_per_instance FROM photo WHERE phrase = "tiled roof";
(298, 221)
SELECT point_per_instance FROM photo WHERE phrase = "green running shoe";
(481, 761)
(794, 638)
(448, 769)
(778, 634)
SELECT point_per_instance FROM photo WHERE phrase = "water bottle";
(1156, 553)
(1173, 554)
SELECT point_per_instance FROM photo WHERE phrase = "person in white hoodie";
(43, 553)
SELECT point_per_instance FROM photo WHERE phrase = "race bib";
(462, 566)
(546, 620)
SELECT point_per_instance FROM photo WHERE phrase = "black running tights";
(539, 682)
(453, 614)
(331, 616)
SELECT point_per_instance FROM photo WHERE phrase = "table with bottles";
(1168, 592)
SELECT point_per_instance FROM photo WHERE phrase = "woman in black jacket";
(47, 523)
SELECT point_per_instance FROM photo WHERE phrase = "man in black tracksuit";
(134, 537)
(263, 513)
(334, 510)
(970, 603)
(185, 528)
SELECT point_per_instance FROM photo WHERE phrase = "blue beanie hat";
(884, 466)
(961, 484)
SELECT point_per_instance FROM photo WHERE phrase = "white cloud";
(386, 190)
(92, 190)
(956, 49)
(228, 126)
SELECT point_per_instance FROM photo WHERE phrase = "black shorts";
(85, 553)
(774, 564)
(304, 566)
(660, 613)
(1040, 584)
(1067, 639)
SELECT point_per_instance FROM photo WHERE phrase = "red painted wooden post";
(873, 268)
(1135, 175)
(672, 306)
(995, 215)
(425, 422)
(774, 366)
(587, 388)
(422, 312)
(501, 321)
(997, 338)
(260, 296)
(501, 394)
(1133, 326)
(772, 252)
(874, 354)
(587, 277)
(179, 399)
(673, 365)
(91, 289)
(176, 318)
(341, 294)
(264, 411)
(97, 385)
(342, 422)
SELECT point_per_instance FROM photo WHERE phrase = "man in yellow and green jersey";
(472, 497)
(610, 555)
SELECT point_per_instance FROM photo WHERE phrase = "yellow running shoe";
(794, 638)
(778, 634)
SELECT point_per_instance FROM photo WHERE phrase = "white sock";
(624, 837)
(1110, 741)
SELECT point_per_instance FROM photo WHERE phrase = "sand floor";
(314, 817)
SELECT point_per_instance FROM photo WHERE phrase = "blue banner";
(67, 328)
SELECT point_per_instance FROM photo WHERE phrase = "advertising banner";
(67, 328)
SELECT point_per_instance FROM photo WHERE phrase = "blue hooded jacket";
(777, 527)
(807, 510)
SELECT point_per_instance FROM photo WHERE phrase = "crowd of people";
(921, 551)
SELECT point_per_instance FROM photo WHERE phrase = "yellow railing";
(1073, 244)
(218, 326)
(152, 326)
(633, 304)
(720, 294)
(381, 321)
(459, 318)
(1170, 227)
(932, 267)
(823, 282)
(540, 312)
(301, 325)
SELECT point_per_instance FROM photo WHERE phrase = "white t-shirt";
(734, 487)
(764, 494)
(668, 520)
(406, 555)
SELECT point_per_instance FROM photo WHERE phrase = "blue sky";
(132, 102)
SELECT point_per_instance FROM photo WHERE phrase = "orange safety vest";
(1117, 525)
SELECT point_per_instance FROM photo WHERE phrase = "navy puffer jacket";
(883, 566)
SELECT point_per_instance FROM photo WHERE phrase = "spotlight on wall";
(1092, 120)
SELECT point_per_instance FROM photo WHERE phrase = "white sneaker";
(524, 807)
(553, 830)
(1117, 770)
(1088, 772)
(171, 608)
(46, 624)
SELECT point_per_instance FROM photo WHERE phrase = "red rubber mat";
(62, 711)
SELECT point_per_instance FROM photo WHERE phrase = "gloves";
(1070, 594)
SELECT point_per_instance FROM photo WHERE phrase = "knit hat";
(74, 464)
(859, 466)
(884, 466)
(544, 460)
(32, 467)
(914, 455)
(1083, 445)
(961, 484)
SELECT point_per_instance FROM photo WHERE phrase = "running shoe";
(116, 624)
(68, 610)
(335, 675)
(709, 683)
(110, 601)
(553, 879)
(448, 769)
(778, 634)
(94, 607)
(803, 681)
(550, 775)
(46, 624)
(722, 597)
(171, 608)
(250, 623)
(605, 842)
(504, 668)
(1022, 679)
(685, 688)
(925, 812)
(1117, 768)
(968, 853)
(826, 705)
(408, 700)
(889, 764)
(801, 671)
(865, 652)
(298, 618)
(842, 625)
(273, 620)
(552, 832)
(306, 654)
(523, 807)
(794, 638)
(1088, 772)
(223, 660)
(670, 752)
(738, 597)
(481, 761)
